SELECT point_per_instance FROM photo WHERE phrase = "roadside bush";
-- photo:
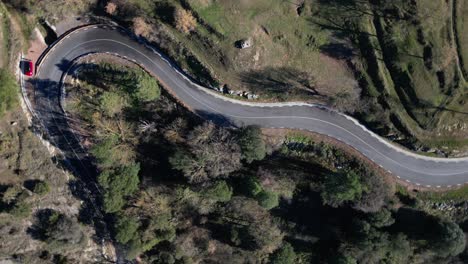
(140, 27)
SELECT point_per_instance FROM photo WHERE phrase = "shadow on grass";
(279, 82)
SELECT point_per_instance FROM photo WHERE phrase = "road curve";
(417, 169)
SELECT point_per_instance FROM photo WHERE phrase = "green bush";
(8, 91)
(148, 89)
(41, 188)
(118, 183)
(251, 187)
(126, 229)
(111, 103)
(341, 187)
(450, 240)
(267, 200)
(252, 144)
(220, 192)
(284, 255)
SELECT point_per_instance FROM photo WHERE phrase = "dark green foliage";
(381, 218)
(8, 91)
(125, 229)
(341, 187)
(451, 240)
(118, 183)
(251, 187)
(103, 151)
(148, 89)
(149, 235)
(267, 200)
(252, 144)
(370, 245)
(109, 152)
(284, 255)
(220, 192)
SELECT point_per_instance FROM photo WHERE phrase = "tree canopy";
(341, 187)
(252, 144)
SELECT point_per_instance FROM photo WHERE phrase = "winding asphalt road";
(417, 169)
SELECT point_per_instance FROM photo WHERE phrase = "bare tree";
(111, 8)
(184, 20)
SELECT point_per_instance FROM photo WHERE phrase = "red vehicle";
(28, 68)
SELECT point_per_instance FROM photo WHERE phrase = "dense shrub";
(125, 229)
(220, 191)
(252, 144)
(341, 187)
(284, 255)
(267, 199)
